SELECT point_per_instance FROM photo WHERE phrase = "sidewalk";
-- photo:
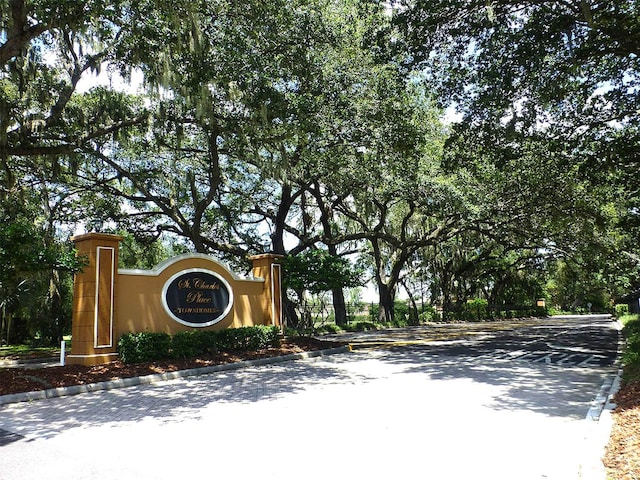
(31, 363)
(151, 379)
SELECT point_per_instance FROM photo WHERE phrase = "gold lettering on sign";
(196, 310)
(203, 285)
(197, 297)
(198, 284)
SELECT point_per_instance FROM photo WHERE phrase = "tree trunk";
(446, 298)
(57, 310)
(387, 300)
(386, 291)
(280, 220)
(326, 214)
(339, 306)
(291, 318)
(8, 324)
(414, 316)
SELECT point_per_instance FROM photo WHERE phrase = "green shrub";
(230, 339)
(400, 312)
(248, 338)
(540, 312)
(148, 346)
(475, 310)
(429, 314)
(631, 325)
(299, 332)
(144, 346)
(328, 328)
(360, 318)
(291, 332)
(621, 309)
(193, 343)
(631, 353)
(360, 326)
(269, 336)
(183, 345)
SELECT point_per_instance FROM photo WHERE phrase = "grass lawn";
(631, 353)
(26, 351)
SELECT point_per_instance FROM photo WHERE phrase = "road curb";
(598, 424)
(603, 399)
(162, 377)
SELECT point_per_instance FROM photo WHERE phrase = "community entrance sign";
(182, 293)
(197, 297)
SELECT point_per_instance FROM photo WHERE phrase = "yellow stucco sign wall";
(185, 292)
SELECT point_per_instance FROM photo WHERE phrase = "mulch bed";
(622, 455)
(19, 379)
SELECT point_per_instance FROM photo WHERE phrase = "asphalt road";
(509, 401)
(586, 341)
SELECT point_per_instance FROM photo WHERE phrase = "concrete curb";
(599, 422)
(598, 425)
(161, 377)
(603, 400)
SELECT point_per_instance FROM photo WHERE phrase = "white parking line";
(568, 357)
(591, 361)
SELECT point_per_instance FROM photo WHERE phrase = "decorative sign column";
(267, 266)
(93, 300)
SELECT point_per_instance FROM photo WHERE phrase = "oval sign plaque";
(197, 297)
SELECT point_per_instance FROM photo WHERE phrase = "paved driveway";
(589, 340)
(413, 412)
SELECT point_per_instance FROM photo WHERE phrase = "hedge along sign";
(197, 297)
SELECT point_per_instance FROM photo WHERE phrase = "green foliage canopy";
(318, 271)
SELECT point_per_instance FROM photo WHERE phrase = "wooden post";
(94, 300)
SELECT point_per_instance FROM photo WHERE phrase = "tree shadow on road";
(553, 390)
(558, 391)
(175, 400)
